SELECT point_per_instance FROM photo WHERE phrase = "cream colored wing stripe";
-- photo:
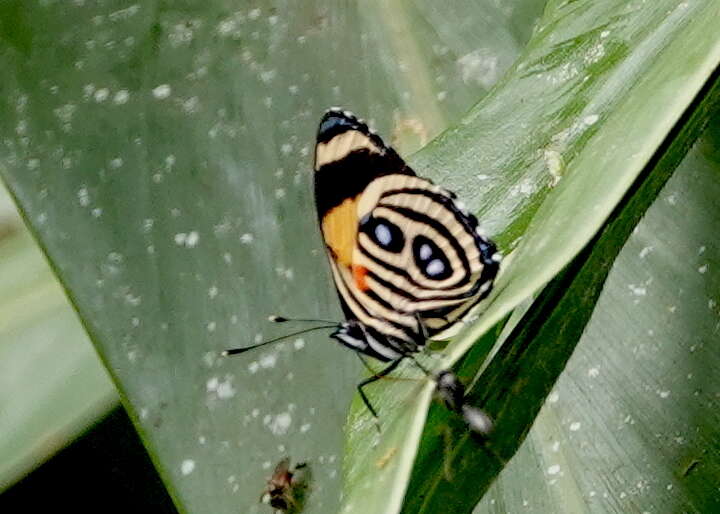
(342, 145)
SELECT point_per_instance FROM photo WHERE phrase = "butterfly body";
(407, 259)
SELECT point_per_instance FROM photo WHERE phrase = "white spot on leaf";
(162, 91)
(637, 290)
(268, 360)
(187, 466)
(280, 424)
(645, 251)
(101, 94)
(121, 97)
(479, 66)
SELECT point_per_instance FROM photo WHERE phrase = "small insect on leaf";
(287, 487)
(452, 392)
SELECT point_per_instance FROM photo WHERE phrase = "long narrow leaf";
(595, 76)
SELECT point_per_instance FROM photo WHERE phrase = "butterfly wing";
(422, 252)
(406, 258)
(348, 157)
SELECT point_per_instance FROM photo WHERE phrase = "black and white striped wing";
(406, 258)
(424, 257)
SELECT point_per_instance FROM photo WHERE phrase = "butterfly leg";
(365, 363)
(422, 327)
(377, 376)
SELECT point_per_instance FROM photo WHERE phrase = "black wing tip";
(338, 113)
(337, 120)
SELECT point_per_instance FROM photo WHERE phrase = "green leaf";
(515, 383)
(640, 389)
(52, 385)
(161, 153)
(604, 76)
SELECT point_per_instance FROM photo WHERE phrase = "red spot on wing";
(359, 274)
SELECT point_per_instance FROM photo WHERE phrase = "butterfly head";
(368, 341)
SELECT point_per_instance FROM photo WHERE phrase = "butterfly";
(407, 259)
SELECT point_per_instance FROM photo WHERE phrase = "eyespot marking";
(383, 233)
(430, 259)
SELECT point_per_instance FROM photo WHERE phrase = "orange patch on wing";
(339, 227)
(359, 273)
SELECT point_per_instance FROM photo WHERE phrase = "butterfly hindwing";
(422, 251)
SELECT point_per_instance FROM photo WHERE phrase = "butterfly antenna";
(282, 319)
(236, 351)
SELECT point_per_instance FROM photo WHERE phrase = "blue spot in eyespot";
(430, 259)
(435, 267)
(383, 233)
